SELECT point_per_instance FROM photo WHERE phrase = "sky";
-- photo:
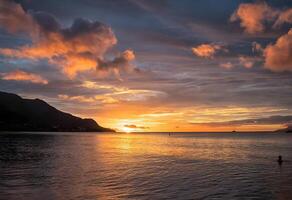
(153, 65)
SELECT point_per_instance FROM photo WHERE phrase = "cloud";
(79, 98)
(135, 126)
(206, 50)
(247, 62)
(93, 100)
(162, 114)
(110, 94)
(284, 17)
(257, 47)
(272, 120)
(122, 62)
(19, 75)
(14, 18)
(278, 56)
(227, 65)
(78, 48)
(252, 16)
(124, 93)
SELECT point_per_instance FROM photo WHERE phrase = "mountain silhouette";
(18, 114)
(285, 130)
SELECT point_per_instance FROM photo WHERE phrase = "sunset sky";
(153, 65)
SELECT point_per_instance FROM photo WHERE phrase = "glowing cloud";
(74, 49)
(23, 76)
(206, 50)
(14, 18)
(110, 94)
(227, 65)
(133, 126)
(278, 56)
(246, 61)
(284, 17)
(253, 15)
(82, 99)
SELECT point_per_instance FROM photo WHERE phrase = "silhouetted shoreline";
(35, 115)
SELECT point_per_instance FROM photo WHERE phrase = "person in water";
(280, 160)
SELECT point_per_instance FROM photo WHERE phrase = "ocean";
(152, 166)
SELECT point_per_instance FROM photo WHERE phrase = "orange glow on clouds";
(176, 91)
(24, 76)
(206, 50)
(71, 49)
(278, 56)
(142, 118)
(252, 16)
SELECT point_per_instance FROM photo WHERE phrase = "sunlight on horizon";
(126, 130)
(208, 73)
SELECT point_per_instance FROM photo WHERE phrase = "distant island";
(18, 114)
(285, 130)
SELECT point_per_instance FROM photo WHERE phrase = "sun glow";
(139, 118)
(126, 130)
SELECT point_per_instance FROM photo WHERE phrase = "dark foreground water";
(145, 166)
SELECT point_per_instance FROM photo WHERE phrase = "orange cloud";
(284, 17)
(82, 99)
(112, 94)
(227, 65)
(128, 55)
(23, 76)
(14, 18)
(253, 15)
(247, 62)
(278, 56)
(133, 126)
(75, 49)
(206, 50)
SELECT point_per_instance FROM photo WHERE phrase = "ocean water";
(145, 166)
